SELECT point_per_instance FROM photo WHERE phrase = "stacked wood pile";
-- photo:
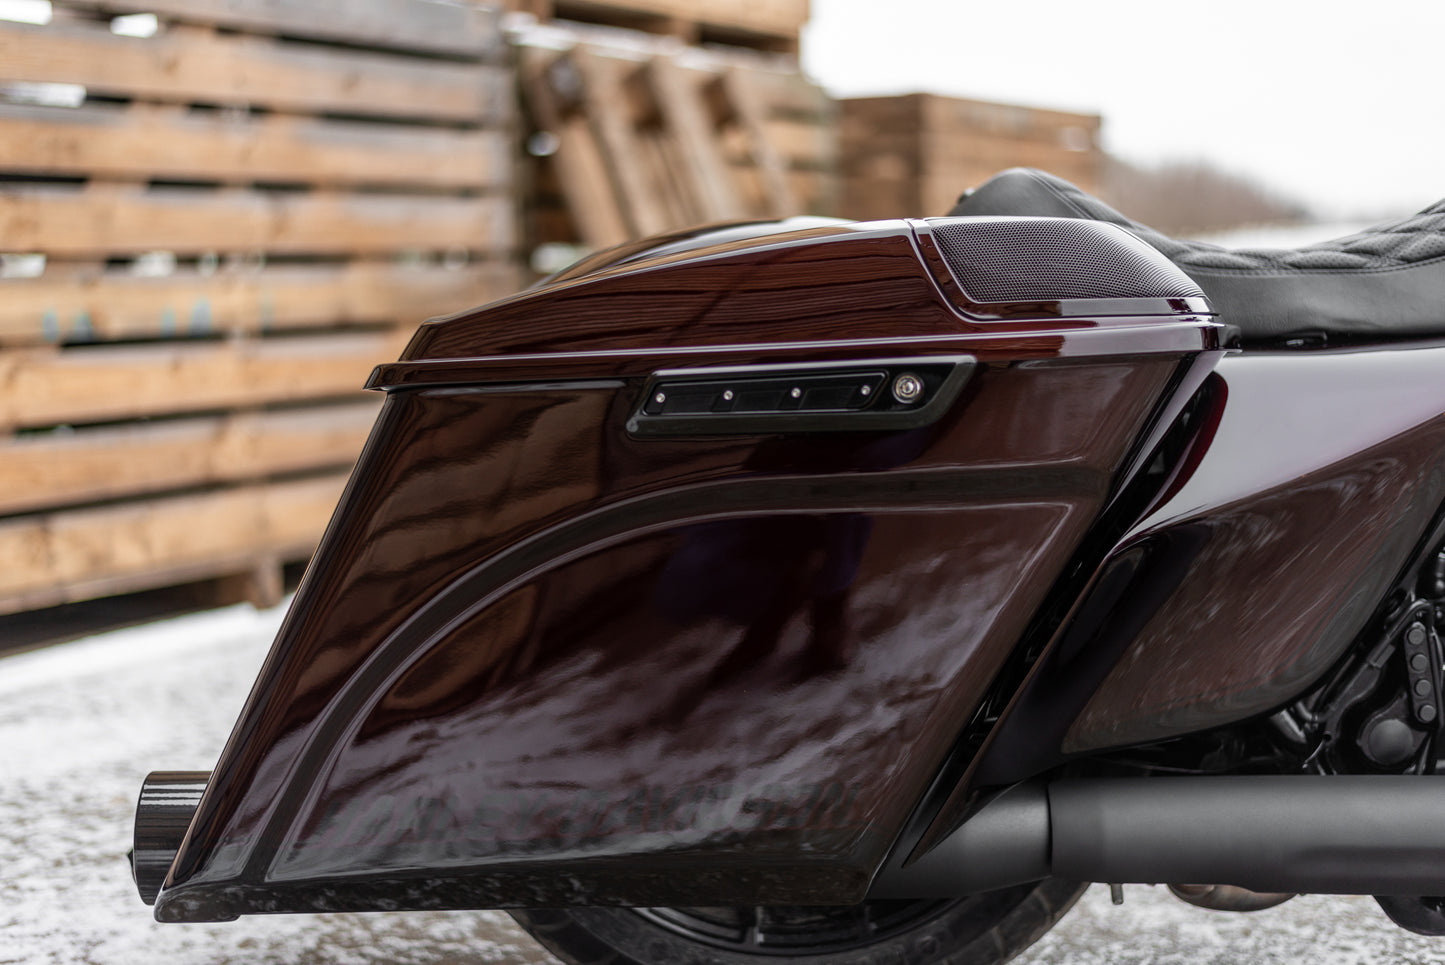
(217, 215)
(912, 156)
(206, 250)
(634, 135)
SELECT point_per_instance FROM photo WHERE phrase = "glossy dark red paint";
(1324, 472)
(539, 661)
(816, 289)
(1306, 485)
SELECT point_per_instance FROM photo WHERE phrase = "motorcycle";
(860, 592)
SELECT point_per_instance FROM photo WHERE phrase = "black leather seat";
(1384, 283)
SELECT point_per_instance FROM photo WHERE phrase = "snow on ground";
(81, 723)
(80, 726)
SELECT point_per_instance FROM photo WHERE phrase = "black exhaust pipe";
(168, 801)
(1338, 834)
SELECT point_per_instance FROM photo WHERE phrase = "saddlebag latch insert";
(864, 395)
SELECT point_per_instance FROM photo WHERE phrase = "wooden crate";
(239, 216)
(766, 25)
(912, 156)
(646, 135)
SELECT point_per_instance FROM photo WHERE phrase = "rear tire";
(983, 929)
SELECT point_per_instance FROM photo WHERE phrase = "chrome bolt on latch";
(907, 388)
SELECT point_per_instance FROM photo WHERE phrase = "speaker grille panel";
(1044, 259)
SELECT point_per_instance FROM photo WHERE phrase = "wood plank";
(547, 223)
(804, 144)
(107, 382)
(878, 164)
(941, 113)
(774, 17)
(668, 171)
(82, 554)
(937, 146)
(236, 69)
(742, 96)
(913, 113)
(857, 135)
(789, 93)
(263, 585)
(607, 109)
(816, 191)
(879, 121)
(869, 199)
(788, 45)
(109, 142)
(578, 160)
(80, 224)
(78, 305)
(899, 123)
(679, 98)
(424, 26)
(49, 470)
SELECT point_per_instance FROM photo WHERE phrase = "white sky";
(1341, 105)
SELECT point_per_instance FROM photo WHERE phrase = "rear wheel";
(982, 929)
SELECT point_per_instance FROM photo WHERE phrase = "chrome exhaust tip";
(168, 801)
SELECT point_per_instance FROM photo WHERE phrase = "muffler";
(1337, 834)
(168, 801)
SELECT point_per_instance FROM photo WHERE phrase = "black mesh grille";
(1043, 259)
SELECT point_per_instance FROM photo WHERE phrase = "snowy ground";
(81, 724)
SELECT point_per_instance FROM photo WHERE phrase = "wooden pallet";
(649, 137)
(912, 156)
(772, 26)
(245, 212)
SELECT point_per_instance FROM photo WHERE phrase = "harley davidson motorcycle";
(859, 592)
